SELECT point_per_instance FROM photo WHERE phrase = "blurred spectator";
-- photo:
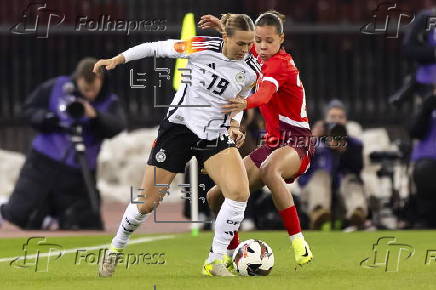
(424, 169)
(336, 166)
(420, 47)
(51, 182)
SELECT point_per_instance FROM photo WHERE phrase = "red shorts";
(305, 153)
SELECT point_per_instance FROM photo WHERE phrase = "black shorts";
(176, 144)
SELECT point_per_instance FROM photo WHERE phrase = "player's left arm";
(236, 117)
(269, 84)
(273, 78)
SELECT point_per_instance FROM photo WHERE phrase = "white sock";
(131, 220)
(227, 221)
(298, 235)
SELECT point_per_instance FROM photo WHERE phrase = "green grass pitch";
(336, 265)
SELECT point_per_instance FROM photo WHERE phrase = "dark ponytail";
(271, 18)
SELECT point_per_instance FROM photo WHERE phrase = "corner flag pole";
(194, 196)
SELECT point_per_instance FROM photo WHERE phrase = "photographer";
(337, 165)
(52, 180)
(423, 157)
(420, 47)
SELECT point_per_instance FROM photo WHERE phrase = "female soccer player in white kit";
(221, 70)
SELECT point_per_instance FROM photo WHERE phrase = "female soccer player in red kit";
(287, 147)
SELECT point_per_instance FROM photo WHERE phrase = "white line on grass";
(69, 251)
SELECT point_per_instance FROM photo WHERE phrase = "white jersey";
(215, 80)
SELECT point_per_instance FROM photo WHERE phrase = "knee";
(269, 174)
(148, 202)
(145, 207)
(211, 195)
(214, 199)
(12, 216)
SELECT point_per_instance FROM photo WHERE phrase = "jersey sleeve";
(275, 73)
(262, 96)
(172, 48)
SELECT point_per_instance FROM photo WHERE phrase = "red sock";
(290, 220)
(235, 242)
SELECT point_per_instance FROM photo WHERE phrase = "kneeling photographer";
(333, 179)
(72, 115)
(423, 128)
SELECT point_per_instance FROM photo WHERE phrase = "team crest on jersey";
(161, 156)
(240, 77)
(180, 118)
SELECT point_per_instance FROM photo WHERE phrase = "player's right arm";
(171, 48)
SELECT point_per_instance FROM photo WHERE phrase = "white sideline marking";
(69, 251)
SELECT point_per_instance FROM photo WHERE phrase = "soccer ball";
(253, 258)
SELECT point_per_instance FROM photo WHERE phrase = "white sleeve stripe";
(273, 80)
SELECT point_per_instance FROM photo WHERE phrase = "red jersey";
(285, 112)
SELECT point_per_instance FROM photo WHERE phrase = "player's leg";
(26, 206)
(317, 193)
(215, 196)
(352, 193)
(227, 171)
(170, 152)
(282, 164)
(136, 213)
(149, 198)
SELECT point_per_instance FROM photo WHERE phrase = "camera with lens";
(71, 104)
(334, 129)
(337, 136)
(73, 107)
(387, 159)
